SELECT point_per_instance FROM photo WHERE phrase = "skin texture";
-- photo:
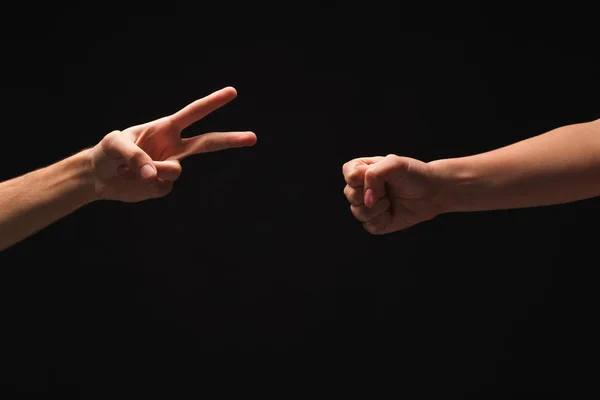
(136, 164)
(392, 193)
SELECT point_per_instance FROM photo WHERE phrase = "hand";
(142, 162)
(391, 193)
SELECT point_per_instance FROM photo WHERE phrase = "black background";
(253, 267)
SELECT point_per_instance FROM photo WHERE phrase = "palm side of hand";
(142, 161)
(391, 193)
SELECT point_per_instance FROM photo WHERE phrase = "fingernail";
(147, 171)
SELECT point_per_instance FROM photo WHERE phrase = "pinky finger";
(380, 224)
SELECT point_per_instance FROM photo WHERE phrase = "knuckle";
(398, 163)
(178, 171)
(359, 213)
(371, 228)
(351, 176)
(371, 174)
(346, 168)
(168, 123)
(355, 175)
(348, 192)
(110, 139)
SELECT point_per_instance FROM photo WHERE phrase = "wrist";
(81, 172)
(456, 179)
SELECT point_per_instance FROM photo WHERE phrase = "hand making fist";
(391, 193)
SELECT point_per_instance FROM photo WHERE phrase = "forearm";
(560, 166)
(33, 201)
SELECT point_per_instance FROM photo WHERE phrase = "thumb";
(118, 145)
(378, 174)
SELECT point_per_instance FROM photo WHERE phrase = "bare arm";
(137, 164)
(35, 200)
(559, 166)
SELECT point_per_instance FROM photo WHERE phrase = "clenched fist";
(391, 193)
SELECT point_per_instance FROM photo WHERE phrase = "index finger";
(354, 170)
(201, 108)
